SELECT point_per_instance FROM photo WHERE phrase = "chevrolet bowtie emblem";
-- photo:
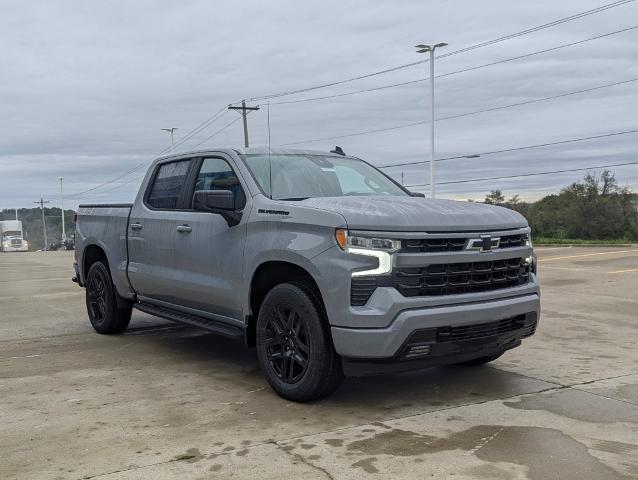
(484, 244)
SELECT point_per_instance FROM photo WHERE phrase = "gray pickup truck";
(319, 260)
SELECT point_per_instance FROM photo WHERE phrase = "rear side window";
(217, 174)
(168, 185)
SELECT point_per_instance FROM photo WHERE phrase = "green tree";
(495, 197)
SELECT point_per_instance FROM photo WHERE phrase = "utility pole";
(44, 222)
(172, 132)
(16, 214)
(244, 113)
(425, 49)
(62, 208)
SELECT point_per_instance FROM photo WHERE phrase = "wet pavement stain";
(192, 455)
(546, 453)
(335, 442)
(393, 442)
(367, 464)
(591, 408)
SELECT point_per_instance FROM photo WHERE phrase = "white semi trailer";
(12, 237)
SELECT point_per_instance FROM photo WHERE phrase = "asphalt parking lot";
(165, 401)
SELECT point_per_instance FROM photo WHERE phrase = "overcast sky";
(86, 86)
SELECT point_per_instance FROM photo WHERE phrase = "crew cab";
(320, 261)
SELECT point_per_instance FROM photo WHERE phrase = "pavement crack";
(302, 459)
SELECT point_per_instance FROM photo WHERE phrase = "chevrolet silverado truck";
(320, 261)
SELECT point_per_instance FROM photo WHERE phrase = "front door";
(210, 251)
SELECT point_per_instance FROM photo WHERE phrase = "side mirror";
(417, 194)
(221, 202)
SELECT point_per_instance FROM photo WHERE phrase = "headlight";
(349, 242)
(380, 248)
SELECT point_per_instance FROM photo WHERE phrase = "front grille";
(466, 277)
(16, 241)
(445, 279)
(433, 245)
(490, 329)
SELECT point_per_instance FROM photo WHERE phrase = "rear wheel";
(482, 360)
(294, 346)
(101, 302)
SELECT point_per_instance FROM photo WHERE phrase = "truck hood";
(417, 214)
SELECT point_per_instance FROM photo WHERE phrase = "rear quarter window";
(168, 185)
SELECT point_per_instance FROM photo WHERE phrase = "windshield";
(296, 177)
(12, 233)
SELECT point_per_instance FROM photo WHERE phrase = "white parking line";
(625, 271)
(586, 255)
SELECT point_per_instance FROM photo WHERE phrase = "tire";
(294, 346)
(482, 360)
(101, 302)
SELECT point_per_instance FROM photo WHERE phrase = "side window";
(217, 174)
(168, 185)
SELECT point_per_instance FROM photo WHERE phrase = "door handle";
(136, 226)
(184, 228)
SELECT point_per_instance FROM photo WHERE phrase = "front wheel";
(294, 346)
(101, 302)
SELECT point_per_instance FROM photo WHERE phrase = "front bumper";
(426, 329)
(8, 249)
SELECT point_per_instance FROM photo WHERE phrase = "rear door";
(155, 263)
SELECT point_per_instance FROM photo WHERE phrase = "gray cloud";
(85, 87)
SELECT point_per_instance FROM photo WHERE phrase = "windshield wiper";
(293, 199)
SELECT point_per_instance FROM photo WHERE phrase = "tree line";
(596, 208)
(32, 224)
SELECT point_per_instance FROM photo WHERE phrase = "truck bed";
(106, 225)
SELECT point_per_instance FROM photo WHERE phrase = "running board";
(215, 326)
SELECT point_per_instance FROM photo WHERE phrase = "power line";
(455, 52)
(217, 132)
(515, 149)
(194, 147)
(206, 123)
(412, 82)
(548, 172)
(460, 115)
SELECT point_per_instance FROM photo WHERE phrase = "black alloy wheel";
(287, 343)
(108, 313)
(294, 344)
(96, 292)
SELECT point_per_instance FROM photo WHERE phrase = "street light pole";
(172, 132)
(62, 208)
(430, 49)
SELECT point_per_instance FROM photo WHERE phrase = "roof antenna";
(338, 150)
(269, 161)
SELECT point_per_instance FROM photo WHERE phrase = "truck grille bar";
(445, 279)
(456, 244)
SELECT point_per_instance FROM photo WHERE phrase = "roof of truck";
(255, 151)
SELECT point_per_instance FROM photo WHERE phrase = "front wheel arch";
(267, 276)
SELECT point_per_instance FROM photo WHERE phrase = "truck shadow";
(435, 388)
